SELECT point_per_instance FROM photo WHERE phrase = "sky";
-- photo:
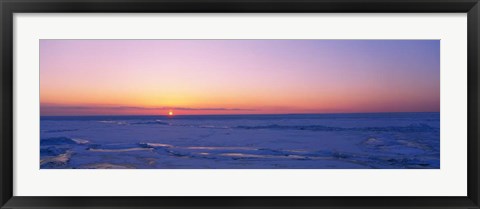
(201, 77)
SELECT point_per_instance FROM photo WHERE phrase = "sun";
(170, 113)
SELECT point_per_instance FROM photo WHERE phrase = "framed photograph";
(239, 104)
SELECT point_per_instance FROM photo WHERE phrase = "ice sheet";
(308, 141)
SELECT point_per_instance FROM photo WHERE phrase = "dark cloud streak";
(119, 108)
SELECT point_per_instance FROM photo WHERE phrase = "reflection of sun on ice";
(170, 113)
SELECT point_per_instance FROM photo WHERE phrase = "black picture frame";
(9, 7)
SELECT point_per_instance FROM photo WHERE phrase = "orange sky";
(152, 77)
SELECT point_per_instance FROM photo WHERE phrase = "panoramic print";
(239, 104)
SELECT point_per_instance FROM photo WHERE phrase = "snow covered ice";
(292, 141)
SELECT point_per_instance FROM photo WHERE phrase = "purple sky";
(90, 77)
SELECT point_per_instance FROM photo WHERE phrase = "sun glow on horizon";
(223, 77)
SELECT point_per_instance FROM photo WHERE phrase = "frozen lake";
(303, 141)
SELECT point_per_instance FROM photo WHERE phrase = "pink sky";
(152, 77)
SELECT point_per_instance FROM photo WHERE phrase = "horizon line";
(172, 116)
